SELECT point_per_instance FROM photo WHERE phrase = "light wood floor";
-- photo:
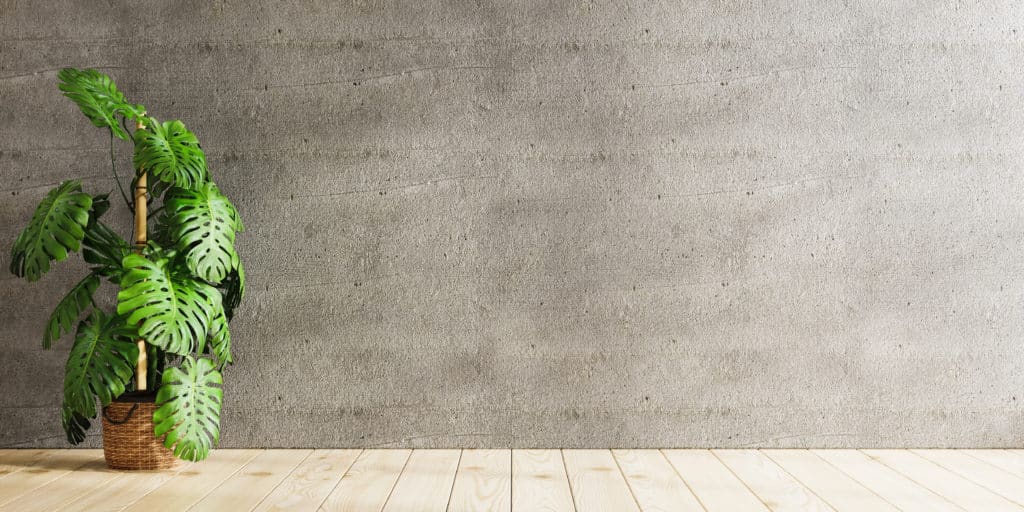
(524, 480)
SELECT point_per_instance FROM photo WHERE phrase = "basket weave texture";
(128, 440)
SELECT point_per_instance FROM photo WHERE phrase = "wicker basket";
(128, 440)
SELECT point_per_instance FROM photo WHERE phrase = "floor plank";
(539, 481)
(892, 486)
(247, 487)
(55, 465)
(193, 483)
(837, 489)
(483, 482)
(366, 485)
(121, 492)
(776, 488)
(655, 484)
(986, 475)
(426, 482)
(67, 488)
(597, 482)
(717, 488)
(959, 490)
(308, 486)
(524, 480)
(14, 460)
(1010, 461)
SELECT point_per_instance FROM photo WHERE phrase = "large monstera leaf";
(188, 408)
(173, 310)
(70, 308)
(98, 98)
(171, 153)
(202, 225)
(101, 363)
(57, 226)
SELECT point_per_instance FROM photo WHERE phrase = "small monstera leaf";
(171, 153)
(74, 424)
(57, 226)
(101, 363)
(98, 97)
(173, 310)
(70, 308)
(188, 408)
(202, 225)
(220, 339)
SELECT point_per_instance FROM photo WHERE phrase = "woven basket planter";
(128, 440)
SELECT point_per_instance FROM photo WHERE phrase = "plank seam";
(26, 491)
(624, 479)
(740, 480)
(233, 473)
(565, 468)
(399, 477)
(451, 490)
(1000, 468)
(908, 477)
(680, 475)
(279, 484)
(968, 478)
(183, 466)
(342, 477)
(864, 485)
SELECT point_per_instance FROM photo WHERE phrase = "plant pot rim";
(137, 397)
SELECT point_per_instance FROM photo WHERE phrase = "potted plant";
(154, 361)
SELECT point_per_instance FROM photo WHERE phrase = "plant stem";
(117, 179)
(141, 364)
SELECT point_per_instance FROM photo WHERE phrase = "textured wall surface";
(566, 223)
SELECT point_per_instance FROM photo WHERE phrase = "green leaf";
(105, 250)
(233, 287)
(173, 310)
(98, 98)
(171, 153)
(188, 408)
(74, 424)
(56, 227)
(202, 224)
(220, 339)
(70, 308)
(100, 205)
(101, 363)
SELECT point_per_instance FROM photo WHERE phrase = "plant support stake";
(141, 365)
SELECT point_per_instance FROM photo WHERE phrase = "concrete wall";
(567, 223)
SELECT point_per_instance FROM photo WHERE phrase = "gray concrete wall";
(567, 223)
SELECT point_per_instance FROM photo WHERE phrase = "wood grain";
(483, 482)
(539, 481)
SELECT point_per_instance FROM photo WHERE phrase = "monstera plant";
(179, 281)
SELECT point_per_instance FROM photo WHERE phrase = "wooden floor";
(524, 480)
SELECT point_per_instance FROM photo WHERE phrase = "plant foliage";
(173, 311)
(56, 228)
(178, 293)
(70, 308)
(171, 153)
(74, 424)
(98, 97)
(100, 364)
(202, 223)
(188, 408)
